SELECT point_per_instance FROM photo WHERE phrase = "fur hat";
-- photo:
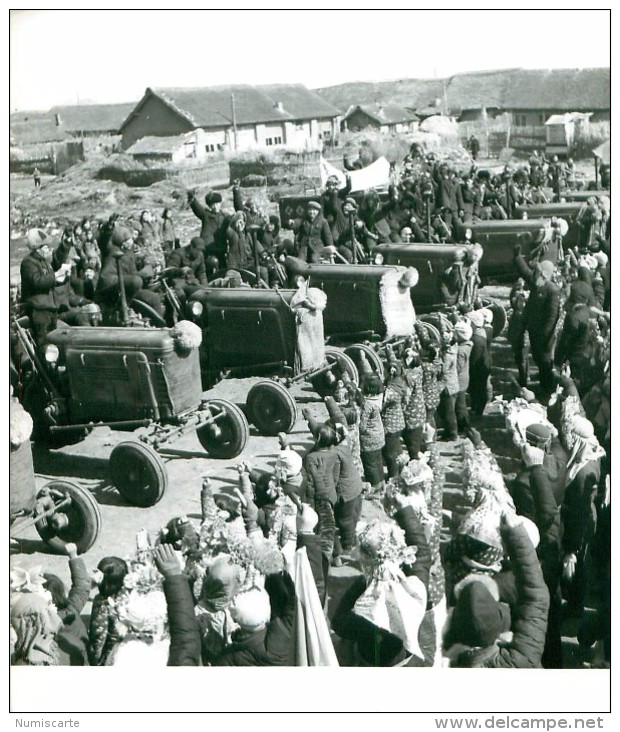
(251, 609)
(409, 278)
(212, 198)
(120, 234)
(463, 330)
(537, 435)
(478, 618)
(36, 238)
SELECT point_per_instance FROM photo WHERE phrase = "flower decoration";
(382, 543)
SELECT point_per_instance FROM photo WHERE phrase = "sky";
(77, 56)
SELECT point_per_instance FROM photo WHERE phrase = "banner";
(375, 175)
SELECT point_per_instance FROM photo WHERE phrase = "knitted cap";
(478, 619)
(290, 461)
(537, 434)
(251, 609)
(222, 580)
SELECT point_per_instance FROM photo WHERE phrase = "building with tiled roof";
(385, 117)
(234, 117)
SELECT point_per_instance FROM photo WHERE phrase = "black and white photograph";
(310, 363)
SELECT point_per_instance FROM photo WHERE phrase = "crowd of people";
(488, 584)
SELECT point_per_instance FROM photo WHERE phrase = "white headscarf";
(585, 447)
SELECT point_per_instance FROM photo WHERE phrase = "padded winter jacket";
(529, 622)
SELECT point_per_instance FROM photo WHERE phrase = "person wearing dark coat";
(447, 196)
(240, 247)
(313, 234)
(391, 217)
(332, 200)
(538, 492)
(474, 146)
(322, 469)
(516, 331)
(453, 280)
(478, 619)
(189, 267)
(307, 539)
(354, 233)
(265, 617)
(213, 223)
(541, 315)
(107, 292)
(579, 514)
(72, 637)
(466, 199)
(376, 646)
(479, 364)
(575, 346)
(168, 235)
(40, 286)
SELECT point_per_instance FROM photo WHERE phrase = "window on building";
(209, 148)
(189, 149)
(269, 141)
(520, 120)
(273, 141)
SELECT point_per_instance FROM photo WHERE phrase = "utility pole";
(234, 118)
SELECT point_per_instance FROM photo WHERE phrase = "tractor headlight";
(379, 258)
(51, 353)
(196, 308)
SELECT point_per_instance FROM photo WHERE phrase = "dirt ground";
(86, 462)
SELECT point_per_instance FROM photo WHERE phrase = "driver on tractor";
(41, 285)
(188, 268)
(108, 289)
